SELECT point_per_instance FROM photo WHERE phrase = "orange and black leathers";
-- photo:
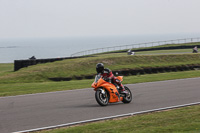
(109, 77)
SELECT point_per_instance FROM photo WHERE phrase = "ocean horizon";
(42, 48)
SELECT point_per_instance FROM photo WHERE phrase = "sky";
(71, 18)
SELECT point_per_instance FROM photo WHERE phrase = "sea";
(42, 48)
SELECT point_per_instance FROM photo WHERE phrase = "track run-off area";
(55, 109)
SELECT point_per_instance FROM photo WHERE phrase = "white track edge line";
(106, 118)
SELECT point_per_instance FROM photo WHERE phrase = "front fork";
(103, 92)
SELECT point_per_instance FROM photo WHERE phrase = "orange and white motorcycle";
(107, 92)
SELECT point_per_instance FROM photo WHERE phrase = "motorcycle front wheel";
(101, 97)
(128, 97)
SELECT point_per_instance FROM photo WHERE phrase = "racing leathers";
(108, 76)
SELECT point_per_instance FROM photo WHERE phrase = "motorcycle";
(106, 92)
(195, 51)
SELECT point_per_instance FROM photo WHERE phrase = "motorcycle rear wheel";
(127, 98)
(101, 98)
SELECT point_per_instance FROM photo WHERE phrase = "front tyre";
(128, 97)
(101, 97)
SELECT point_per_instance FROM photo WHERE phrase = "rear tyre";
(128, 97)
(101, 97)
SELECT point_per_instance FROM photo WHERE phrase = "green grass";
(35, 79)
(86, 66)
(180, 120)
(6, 68)
(11, 89)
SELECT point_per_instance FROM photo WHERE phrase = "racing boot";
(122, 90)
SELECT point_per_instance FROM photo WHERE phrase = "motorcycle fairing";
(111, 89)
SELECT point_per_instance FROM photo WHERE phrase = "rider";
(108, 76)
(195, 49)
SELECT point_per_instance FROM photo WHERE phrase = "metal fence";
(131, 46)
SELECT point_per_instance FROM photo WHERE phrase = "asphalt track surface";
(18, 113)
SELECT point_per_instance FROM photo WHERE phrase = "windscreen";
(97, 78)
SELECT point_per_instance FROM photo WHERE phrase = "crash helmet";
(99, 67)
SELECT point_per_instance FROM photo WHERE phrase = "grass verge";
(186, 119)
(11, 89)
(82, 67)
(6, 68)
